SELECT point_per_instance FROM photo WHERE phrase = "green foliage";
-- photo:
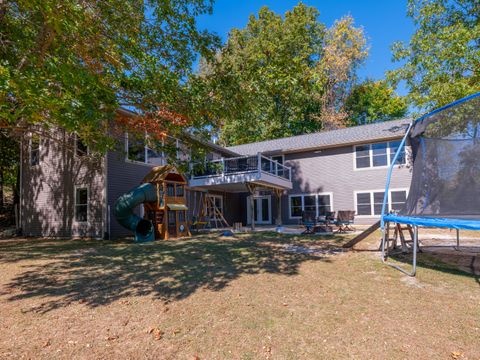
(441, 63)
(271, 77)
(9, 159)
(72, 64)
(373, 101)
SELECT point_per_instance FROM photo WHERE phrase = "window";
(34, 150)
(323, 204)
(170, 190)
(146, 150)
(310, 204)
(398, 200)
(80, 148)
(295, 206)
(155, 155)
(179, 190)
(317, 204)
(369, 203)
(181, 216)
(135, 149)
(81, 204)
(362, 154)
(378, 155)
(393, 150)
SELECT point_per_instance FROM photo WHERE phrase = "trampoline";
(445, 186)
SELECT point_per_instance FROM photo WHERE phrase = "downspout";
(20, 191)
(106, 225)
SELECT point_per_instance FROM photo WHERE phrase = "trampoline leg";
(458, 240)
(414, 255)
(415, 245)
(383, 243)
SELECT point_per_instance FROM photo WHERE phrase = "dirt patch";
(242, 298)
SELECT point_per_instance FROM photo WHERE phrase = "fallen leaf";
(158, 334)
(456, 354)
(47, 343)
(112, 337)
(196, 357)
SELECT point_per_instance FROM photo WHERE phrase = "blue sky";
(383, 21)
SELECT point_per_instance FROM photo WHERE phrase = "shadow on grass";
(98, 273)
(464, 265)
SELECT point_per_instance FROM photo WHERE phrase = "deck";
(232, 174)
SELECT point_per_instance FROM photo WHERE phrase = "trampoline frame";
(387, 187)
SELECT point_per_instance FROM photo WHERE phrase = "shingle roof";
(353, 135)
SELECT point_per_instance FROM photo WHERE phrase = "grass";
(229, 298)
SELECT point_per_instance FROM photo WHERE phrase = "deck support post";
(278, 195)
(458, 240)
(251, 189)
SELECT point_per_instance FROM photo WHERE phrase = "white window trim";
(249, 215)
(146, 148)
(75, 203)
(372, 203)
(370, 156)
(330, 194)
(30, 150)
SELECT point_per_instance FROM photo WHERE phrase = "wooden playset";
(168, 213)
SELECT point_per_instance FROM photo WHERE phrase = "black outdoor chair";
(344, 221)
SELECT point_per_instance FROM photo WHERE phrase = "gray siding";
(332, 171)
(48, 190)
(122, 176)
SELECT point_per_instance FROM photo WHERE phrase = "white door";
(262, 210)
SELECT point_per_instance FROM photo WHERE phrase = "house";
(67, 193)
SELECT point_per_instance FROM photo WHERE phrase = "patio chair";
(309, 221)
(344, 221)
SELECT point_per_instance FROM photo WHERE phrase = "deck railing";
(238, 165)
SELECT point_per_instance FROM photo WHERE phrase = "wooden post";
(278, 194)
(251, 189)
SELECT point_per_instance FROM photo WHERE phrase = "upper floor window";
(378, 155)
(80, 148)
(145, 150)
(136, 149)
(34, 150)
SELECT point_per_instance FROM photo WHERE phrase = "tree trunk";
(2, 204)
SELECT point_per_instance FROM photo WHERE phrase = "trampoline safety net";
(445, 148)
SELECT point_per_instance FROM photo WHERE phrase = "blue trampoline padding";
(468, 224)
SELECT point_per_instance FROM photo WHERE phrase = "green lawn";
(252, 296)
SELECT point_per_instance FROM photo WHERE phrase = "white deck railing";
(243, 164)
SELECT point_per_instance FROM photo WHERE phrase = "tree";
(344, 51)
(373, 101)
(9, 151)
(279, 75)
(72, 63)
(261, 79)
(441, 63)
